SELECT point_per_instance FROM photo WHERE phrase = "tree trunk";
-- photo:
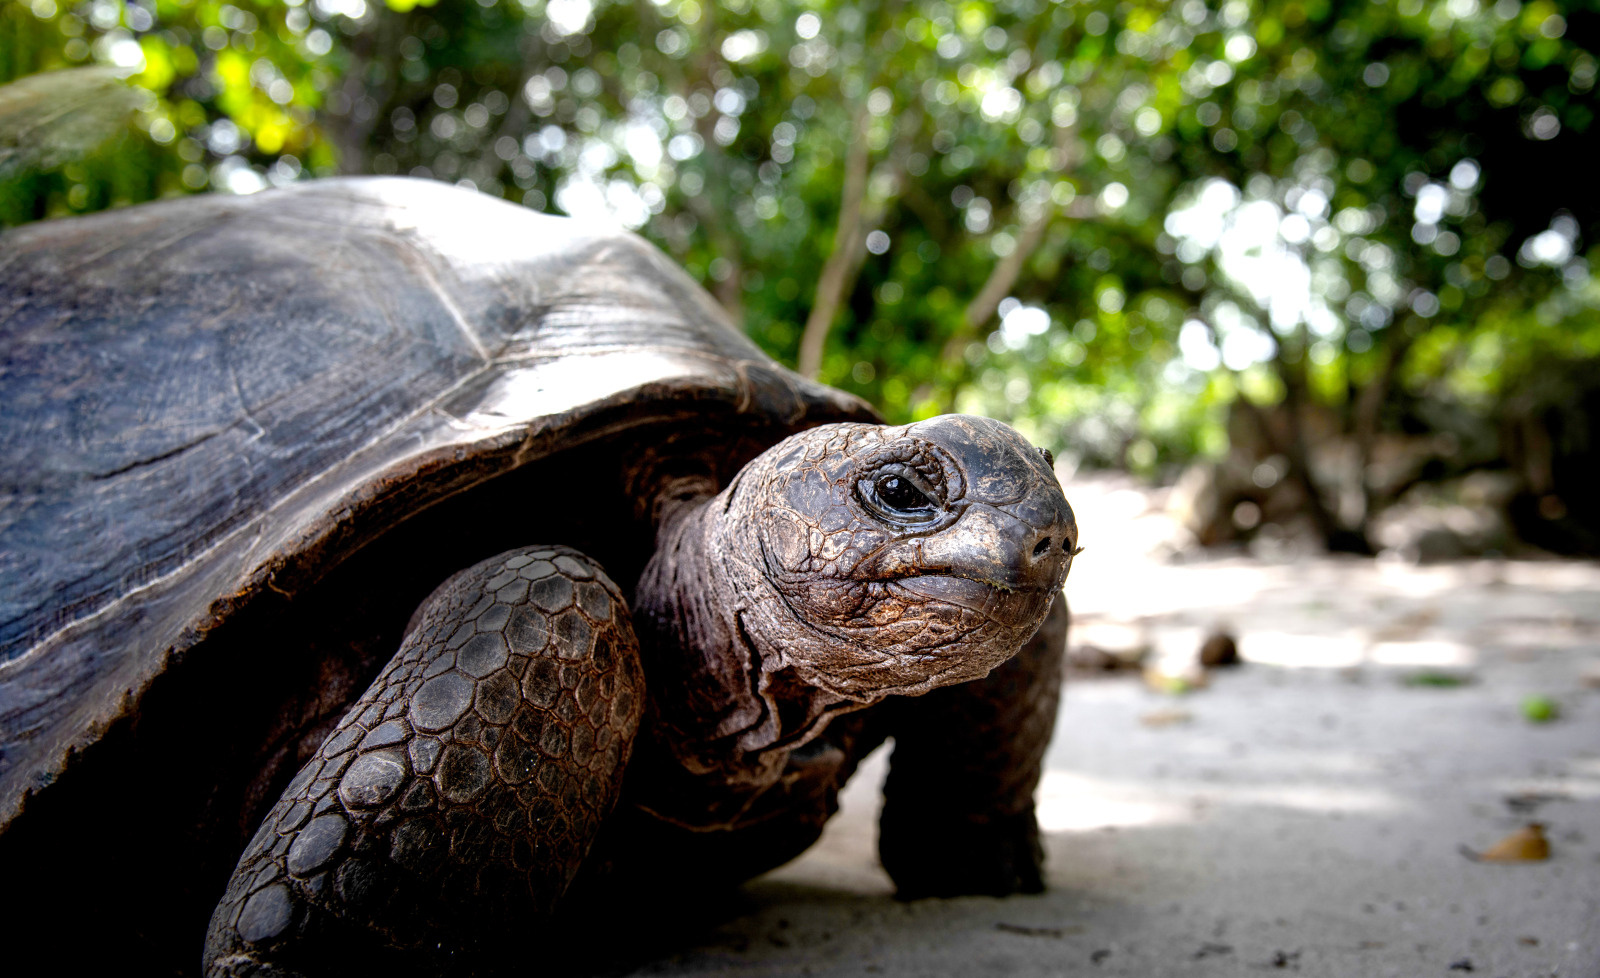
(1369, 402)
(1295, 449)
(1296, 386)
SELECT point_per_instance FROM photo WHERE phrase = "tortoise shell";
(243, 436)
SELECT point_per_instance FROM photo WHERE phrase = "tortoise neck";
(674, 499)
(723, 695)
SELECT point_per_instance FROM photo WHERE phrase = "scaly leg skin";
(452, 807)
(958, 806)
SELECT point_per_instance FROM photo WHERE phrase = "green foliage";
(1102, 221)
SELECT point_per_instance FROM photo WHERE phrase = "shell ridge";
(430, 277)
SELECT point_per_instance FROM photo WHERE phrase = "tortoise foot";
(996, 857)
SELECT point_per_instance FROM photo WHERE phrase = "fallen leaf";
(1526, 845)
(1438, 679)
(1166, 718)
(1540, 709)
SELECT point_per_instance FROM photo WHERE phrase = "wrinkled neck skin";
(726, 700)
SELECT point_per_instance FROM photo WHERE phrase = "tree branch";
(1369, 404)
(1007, 270)
(849, 249)
(716, 218)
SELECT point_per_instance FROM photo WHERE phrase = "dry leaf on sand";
(1526, 845)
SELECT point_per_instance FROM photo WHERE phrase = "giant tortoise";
(451, 561)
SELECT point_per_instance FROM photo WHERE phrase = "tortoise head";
(904, 558)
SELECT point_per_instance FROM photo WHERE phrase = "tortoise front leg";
(958, 805)
(454, 803)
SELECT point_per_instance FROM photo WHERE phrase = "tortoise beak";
(1008, 607)
(1023, 546)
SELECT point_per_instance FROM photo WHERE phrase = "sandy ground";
(1303, 813)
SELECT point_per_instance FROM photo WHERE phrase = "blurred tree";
(1104, 221)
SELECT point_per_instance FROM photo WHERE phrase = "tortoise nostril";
(1041, 547)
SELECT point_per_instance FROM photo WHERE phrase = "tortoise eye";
(899, 500)
(899, 493)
